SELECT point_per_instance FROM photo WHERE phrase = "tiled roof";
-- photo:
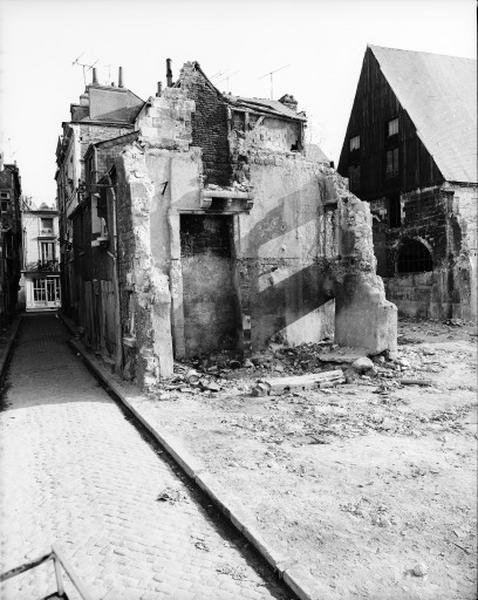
(273, 107)
(439, 94)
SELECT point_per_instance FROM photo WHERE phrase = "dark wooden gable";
(374, 105)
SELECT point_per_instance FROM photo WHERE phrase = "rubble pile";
(282, 369)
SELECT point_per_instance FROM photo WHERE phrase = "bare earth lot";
(371, 485)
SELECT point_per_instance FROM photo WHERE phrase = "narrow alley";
(75, 472)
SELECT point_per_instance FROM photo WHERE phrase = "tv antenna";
(86, 67)
(218, 74)
(271, 75)
(227, 78)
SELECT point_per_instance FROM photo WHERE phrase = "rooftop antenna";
(218, 74)
(86, 66)
(227, 79)
(271, 75)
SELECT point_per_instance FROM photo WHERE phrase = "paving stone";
(76, 473)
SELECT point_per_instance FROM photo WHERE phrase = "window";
(391, 166)
(392, 127)
(354, 178)
(414, 257)
(354, 143)
(47, 250)
(4, 201)
(394, 211)
(46, 225)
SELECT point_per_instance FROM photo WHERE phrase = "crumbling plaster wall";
(284, 247)
(265, 132)
(144, 190)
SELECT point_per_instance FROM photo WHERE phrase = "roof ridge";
(373, 46)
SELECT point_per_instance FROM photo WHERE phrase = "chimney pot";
(95, 76)
(169, 73)
(160, 89)
(120, 77)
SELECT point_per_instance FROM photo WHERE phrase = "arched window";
(414, 257)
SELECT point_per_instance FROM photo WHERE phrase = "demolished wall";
(284, 234)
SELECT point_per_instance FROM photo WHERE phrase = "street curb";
(5, 358)
(68, 323)
(291, 572)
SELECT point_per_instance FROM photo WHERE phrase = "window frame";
(391, 122)
(394, 163)
(352, 146)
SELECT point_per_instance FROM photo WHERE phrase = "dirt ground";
(371, 484)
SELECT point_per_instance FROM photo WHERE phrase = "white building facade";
(40, 282)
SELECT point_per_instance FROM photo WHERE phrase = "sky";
(316, 46)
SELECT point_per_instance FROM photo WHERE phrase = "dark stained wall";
(210, 304)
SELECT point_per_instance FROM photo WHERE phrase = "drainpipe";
(114, 257)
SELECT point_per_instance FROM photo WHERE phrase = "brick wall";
(209, 126)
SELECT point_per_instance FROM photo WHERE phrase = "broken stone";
(342, 355)
(261, 389)
(209, 385)
(350, 375)
(420, 570)
(420, 382)
(279, 385)
(273, 347)
(362, 364)
(192, 377)
(171, 495)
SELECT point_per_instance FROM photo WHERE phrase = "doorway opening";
(209, 295)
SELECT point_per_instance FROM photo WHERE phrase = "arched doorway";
(414, 257)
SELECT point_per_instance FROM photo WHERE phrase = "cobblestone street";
(76, 472)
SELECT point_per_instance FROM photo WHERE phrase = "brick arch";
(413, 255)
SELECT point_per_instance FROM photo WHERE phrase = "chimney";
(169, 73)
(120, 77)
(160, 89)
(95, 77)
(289, 101)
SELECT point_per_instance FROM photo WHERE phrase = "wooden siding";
(374, 105)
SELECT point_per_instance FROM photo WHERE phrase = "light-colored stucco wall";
(33, 235)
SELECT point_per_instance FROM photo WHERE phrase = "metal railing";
(59, 563)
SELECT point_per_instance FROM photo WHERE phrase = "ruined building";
(203, 226)
(10, 239)
(410, 150)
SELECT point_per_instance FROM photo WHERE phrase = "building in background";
(40, 281)
(10, 239)
(103, 112)
(204, 227)
(411, 151)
